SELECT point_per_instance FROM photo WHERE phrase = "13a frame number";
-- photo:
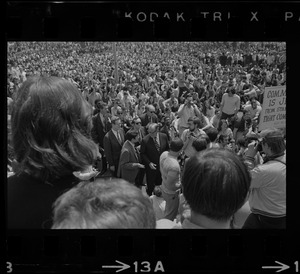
(146, 267)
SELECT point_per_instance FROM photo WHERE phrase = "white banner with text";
(273, 114)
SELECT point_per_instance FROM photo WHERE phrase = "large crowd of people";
(162, 116)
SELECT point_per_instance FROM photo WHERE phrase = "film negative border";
(144, 21)
(158, 250)
(148, 251)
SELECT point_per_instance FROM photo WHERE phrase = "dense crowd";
(201, 94)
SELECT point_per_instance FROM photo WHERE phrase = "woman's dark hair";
(215, 183)
(51, 126)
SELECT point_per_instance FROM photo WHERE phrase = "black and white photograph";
(146, 135)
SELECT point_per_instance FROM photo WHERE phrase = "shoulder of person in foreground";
(167, 224)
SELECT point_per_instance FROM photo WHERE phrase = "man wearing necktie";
(113, 142)
(130, 162)
(137, 126)
(101, 125)
(152, 146)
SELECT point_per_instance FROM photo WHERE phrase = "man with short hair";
(189, 135)
(103, 204)
(149, 116)
(137, 126)
(153, 145)
(185, 111)
(130, 161)
(254, 109)
(113, 142)
(267, 198)
(170, 172)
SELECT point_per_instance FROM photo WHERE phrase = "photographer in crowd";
(268, 185)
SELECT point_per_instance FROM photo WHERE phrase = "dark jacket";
(99, 129)
(112, 148)
(30, 200)
(145, 119)
(127, 170)
(150, 154)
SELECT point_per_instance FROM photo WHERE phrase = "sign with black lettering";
(273, 114)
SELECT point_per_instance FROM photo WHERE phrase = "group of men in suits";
(135, 154)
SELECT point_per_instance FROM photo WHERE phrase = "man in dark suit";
(101, 125)
(149, 117)
(113, 142)
(137, 126)
(130, 160)
(153, 145)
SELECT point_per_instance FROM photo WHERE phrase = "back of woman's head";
(215, 183)
(51, 125)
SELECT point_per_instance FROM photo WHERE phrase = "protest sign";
(273, 114)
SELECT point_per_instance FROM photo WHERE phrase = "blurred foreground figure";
(112, 203)
(215, 186)
(51, 125)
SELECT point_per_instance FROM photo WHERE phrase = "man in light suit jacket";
(153, 145)
(130, 162)
(113, 142)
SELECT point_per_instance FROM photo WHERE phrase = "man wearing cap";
(267, 197)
